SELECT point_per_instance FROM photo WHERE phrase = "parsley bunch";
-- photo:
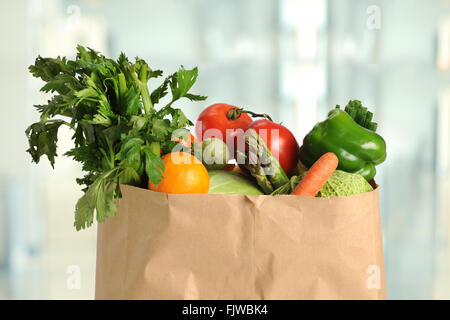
(118, 133)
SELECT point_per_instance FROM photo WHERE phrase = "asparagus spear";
(270, 164)
(288, 187)
(262, 165)
(254, 167)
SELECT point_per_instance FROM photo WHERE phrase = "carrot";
(317, 175)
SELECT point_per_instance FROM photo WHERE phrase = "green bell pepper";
(359, 149)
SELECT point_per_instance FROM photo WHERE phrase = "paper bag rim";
(183, 195)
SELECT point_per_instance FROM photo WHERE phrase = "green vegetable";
(117, 132)
(340, 184)
(359, 149)
(360, 114)
(343, 184)
(215, 154)
(261, 164)
(231, 183)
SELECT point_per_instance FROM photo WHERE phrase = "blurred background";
(294, 59)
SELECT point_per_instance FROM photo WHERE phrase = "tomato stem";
(235, 113)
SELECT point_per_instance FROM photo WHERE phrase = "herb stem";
(145, 94)
(122, 84)
(155, 147)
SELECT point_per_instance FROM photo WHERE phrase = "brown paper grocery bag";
(207, 246)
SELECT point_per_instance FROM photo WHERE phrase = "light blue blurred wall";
(242, 49)
(234, 44)
(393, 70)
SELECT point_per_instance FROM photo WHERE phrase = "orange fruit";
(183, 173)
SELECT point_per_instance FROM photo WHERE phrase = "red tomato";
(217, 117)
(282, 144)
